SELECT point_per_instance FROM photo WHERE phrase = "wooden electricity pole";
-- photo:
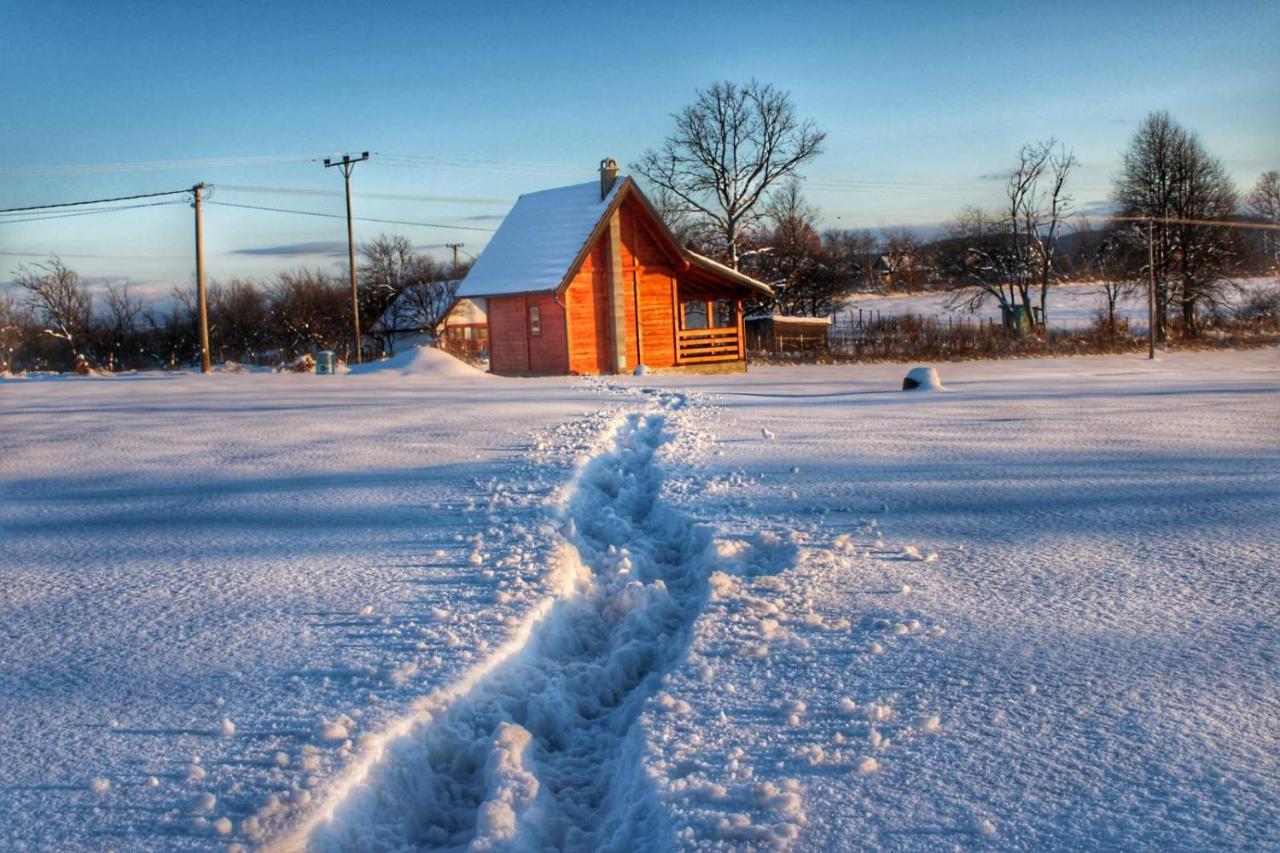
(1151, 290)
(348, 163)
(201, 297)
(455, 247)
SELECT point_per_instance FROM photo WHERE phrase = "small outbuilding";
(588, 279)
(776, 333)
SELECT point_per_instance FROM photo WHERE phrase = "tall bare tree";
(790, 255)
(58, 300)
(1168, 174)
(387, 265)
(730, 146)
(1016, 262)
(121, 322)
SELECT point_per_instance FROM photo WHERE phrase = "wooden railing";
(694, 346)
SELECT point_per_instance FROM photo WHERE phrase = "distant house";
(406, 323)
(887, 267)
(587, 279)
(466, 330)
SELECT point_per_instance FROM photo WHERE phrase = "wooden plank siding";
(648, 269)
(508, 336)
(513, 351)
(587, 298)
(548, 353)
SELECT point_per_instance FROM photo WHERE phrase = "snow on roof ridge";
(740, 277)
(790, 318)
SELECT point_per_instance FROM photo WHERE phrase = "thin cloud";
(1101, 207)
(333, 248)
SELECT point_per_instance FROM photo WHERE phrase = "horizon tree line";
(53, 320)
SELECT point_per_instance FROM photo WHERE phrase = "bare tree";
(970, 224)
(14, 320)
(388, 264)
(121, 323)
(1168, 174)
(1264, 203)
(1047, 208)
(730, 146)
(790, 256)
(1016, 261)
(426, 305)
(851, 253)
(241, 324)
(902, 255)
(1116, 264)
(59, 301)
(311, 310)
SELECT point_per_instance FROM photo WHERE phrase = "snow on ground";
(796, 608)
(1071, 306)
(1037, 612)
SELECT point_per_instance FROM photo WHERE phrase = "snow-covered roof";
(539, 240)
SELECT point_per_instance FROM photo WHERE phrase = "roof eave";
(730, 273)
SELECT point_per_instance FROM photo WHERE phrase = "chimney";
(608, 175)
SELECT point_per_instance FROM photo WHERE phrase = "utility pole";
(348, 163)
(455, 247)
(200, 290)
(1151, 290)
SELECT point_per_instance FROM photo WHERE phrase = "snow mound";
(420, 361)
(922, 379)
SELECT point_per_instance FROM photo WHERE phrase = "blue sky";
(479, 102)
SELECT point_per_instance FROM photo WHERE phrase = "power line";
(157, 165)
(49, 216)
(453, 199)
(93, 201)
(358, 218)
(416, 161)
(97, 257)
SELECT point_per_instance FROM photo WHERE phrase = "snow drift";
(420, 361)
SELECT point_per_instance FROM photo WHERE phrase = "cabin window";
(695, 314)
(724, 314)
(535, 321)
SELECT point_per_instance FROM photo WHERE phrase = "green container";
(324, 363)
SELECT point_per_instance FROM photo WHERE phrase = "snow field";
(797, 608)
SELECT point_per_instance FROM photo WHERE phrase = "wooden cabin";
(587, 279)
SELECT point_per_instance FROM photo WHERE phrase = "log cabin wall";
(587, 298)
(647, 274)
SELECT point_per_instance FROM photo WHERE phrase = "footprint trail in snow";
(544, 750)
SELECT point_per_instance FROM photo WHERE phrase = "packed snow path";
(544, 750)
